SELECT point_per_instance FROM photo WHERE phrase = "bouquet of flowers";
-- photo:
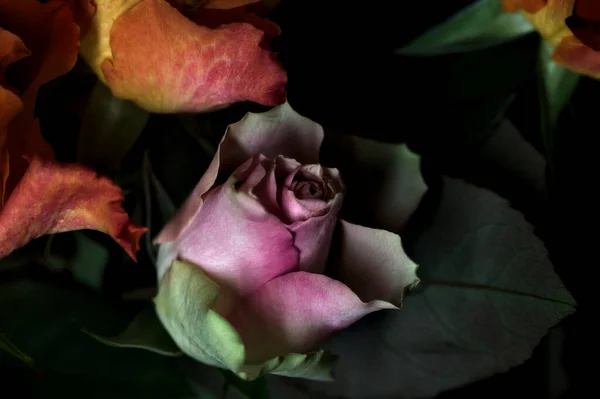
(254, 198)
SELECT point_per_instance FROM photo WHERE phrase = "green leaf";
(205, 335)
(256, 389)
(481, 25)
(488, 295)
(9, 347)
(556, 84)
(144, 332)
(109, 128)
(42, 318)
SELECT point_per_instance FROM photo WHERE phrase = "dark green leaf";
(144, 332)
(489, 294)
(109, 128)
(482, 24)
(42, 319)
(256, 389)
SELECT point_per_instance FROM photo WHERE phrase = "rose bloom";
(38, 195)
(572, 27)
(168, 57)
(249, 279)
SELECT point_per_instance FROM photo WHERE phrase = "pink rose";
(242, 266)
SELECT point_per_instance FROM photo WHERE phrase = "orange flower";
(39, 42)
(572, 27)
(184, 59)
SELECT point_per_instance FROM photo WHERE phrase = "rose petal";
(585, 23)
(174, 65)
(550, 20)
(294, 313)
(12, 49)
(373, 263)
(236, 241)
(202, 333)
(50, 30)
(54, 198)
(184, 304)
(280, 131)
(573, 54)
(313, 237)
(384, 185)
(530, 6)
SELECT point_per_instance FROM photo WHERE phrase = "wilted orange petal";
(11, 49)
(166, 63)
(50, 30)
(53, 197)
(530, 6)
(578, 57)
(585, 22)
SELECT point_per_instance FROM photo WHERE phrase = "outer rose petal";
(530, 6)
(280, 131)
(174, 65)
(236, 241)
(294, 313)
(204, 334)
(54, 198)
(373, 263)
(575, 55)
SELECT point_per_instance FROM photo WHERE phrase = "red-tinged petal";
(573, 54)
(175, 65)
(280, 131)
(587, 9)
(50, 30)
(585, 23)
(373, 263)
(53, 198)
(235, 240)
(294, 313)
(531, 6)
(12, 49)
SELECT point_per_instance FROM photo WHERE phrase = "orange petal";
(53, 197)
(148, 52)
(12, 49)
(573, 54)
(585, 22)
(530, 6)
(50, 30)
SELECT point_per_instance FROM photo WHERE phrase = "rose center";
(308, 190)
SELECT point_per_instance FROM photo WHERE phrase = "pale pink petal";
(280, 131)
(294, 313)
(236, 241)
(373, 263)
(313, 238)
